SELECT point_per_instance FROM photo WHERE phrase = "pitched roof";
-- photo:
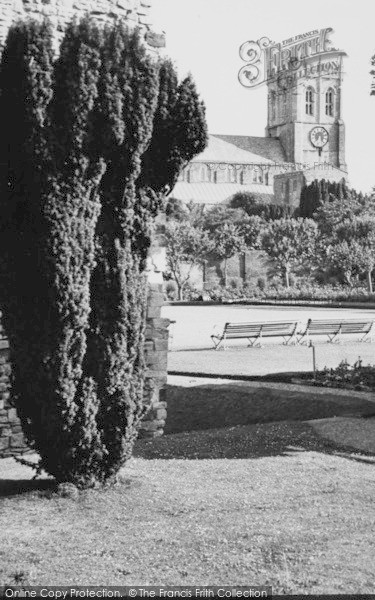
(221, 151)
(216, 193)
(267, 147)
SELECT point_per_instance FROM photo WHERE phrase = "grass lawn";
(271, 503)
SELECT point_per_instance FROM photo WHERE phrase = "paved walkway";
(194, 324)
(270, 359)
(191, 348)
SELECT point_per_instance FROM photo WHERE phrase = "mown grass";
(259, 504)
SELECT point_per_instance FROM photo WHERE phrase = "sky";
(203, 37)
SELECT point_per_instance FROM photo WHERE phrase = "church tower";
(305, 105)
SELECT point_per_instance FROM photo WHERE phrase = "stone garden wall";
(60, 12)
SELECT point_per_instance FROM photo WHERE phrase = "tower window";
(329, 102)
(309, 101)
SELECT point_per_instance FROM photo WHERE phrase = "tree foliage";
(319, 193)
(187, 247)
(254, 206)
(290, 242)
(83, 154)
(227, 241)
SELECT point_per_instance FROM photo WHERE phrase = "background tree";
(227, 242)
(259, 205)
(346, 258)
(318, 193)
(289, 242)
(219, 215)
(359, 233)
(187, 247)
(78, 198)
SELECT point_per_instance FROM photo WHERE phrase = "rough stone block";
(12, 415)
(152, 425)
(161, 345)
(17, 428)
(4, 443)
(17, 440)
(150, 434)
(161, 414)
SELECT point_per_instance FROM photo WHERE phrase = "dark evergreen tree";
(76, 210)
(255, 206)
(318, 192)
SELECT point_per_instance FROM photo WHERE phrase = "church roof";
(266, 147)
(222, 151)
(217, 193)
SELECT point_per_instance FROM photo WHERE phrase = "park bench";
(254, 332)
(335, 328)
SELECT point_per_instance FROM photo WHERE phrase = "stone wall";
(60, 12)
(11, 438)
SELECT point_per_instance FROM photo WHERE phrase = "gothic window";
(309, 97)
(329, 102)
(295, 185)
(266, 178)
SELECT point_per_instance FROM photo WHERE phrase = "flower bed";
(304, 293)
(352, 377)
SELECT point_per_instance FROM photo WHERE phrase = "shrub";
(355, 377)
(171, 291)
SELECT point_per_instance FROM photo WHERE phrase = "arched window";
(309, 97)
(329, 102)
(266, 178)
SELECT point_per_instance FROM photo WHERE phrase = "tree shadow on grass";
(246, 442)
(238, 421)
(15, 487)
(212, 406)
